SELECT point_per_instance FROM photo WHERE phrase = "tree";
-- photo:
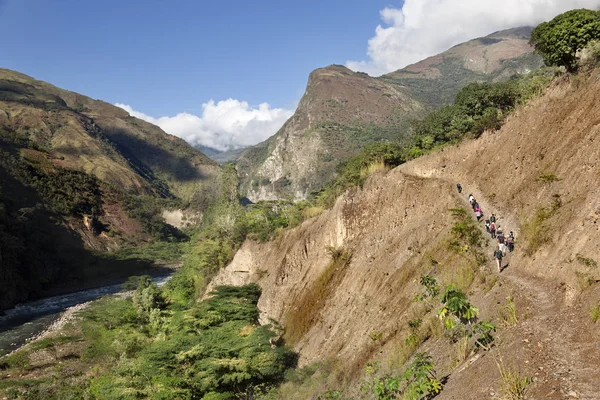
(559, 40)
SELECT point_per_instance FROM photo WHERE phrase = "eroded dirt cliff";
(540, 174)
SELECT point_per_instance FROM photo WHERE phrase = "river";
(29, 319)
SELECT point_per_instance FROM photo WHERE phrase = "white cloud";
(423, 28)
(223, 125)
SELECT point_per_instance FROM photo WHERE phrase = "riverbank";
(33, 321)
(155, 272)
(55, 328)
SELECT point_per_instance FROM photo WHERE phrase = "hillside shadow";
(41, 257)
(146, 157)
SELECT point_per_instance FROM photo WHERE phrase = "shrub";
(547, 177)
(592, 54)
(456, 306)
(467, 237)
(418, 381)
(374, 157)
(430, 285)
(213, 350)
(559, 40)
(586, 261)
(477, 107)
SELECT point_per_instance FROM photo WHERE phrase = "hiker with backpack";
(493, 230)
(502, 247)
(487, 225)
(478, 213)
(510, 241)
(499, 234)
(493, 218)
(459, 188)
(498, 256)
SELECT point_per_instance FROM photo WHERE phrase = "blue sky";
(228, 74)
(165, 57)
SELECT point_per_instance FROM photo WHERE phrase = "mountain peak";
(342, 111)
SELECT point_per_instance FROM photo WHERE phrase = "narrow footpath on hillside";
(568, 363)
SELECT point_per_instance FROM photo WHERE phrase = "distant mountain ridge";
(342, 111)
(220, 156)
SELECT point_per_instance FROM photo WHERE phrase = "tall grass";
(312, 211)
(507, 314)
(512, 384)
(374, 167)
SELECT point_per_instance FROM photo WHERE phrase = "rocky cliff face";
(540, 174)
(342, 111)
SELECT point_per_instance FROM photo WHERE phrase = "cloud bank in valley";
(224, 125)
(423, 28)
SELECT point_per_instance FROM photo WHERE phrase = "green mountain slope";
(342, 111)
(80, 176)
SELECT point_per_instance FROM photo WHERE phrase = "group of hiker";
(504, 243)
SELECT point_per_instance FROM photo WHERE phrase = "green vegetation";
(460, 317)
(559, 40)
(39, 200)
(148, 211)
(145, 347)
(477, 107)
(418, 381)
(212, 349)
(431, 287)
(161, 252)
(453, 75)
(456, 308)
(65, 192)
(467, 237)
(265, 218)
(586, 261)
(592, 55)
(353, 172)
(177, 343)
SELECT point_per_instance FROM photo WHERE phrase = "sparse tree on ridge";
(559, 40)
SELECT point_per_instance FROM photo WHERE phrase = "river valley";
(27, 320)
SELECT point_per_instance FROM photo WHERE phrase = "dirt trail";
(567, 364)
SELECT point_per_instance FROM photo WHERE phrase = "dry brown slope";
(556, 135)
(399, 221)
